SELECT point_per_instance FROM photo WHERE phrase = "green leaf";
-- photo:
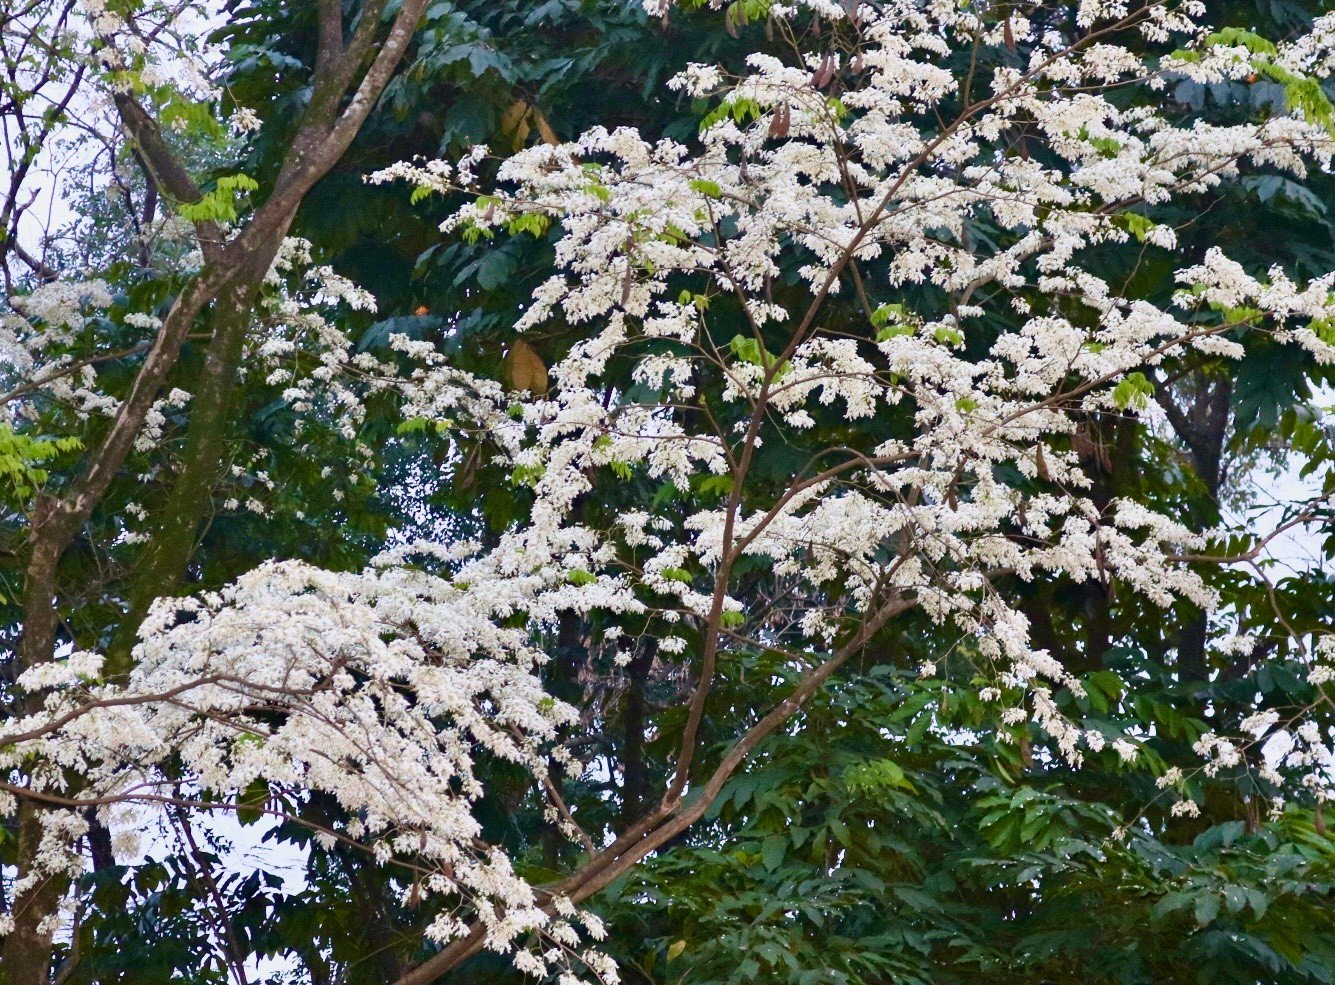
(714, 485)
(21, 458)
(887, 314)
(876, 775)
(1207, 908)
(1133, 392)
(533, 223)
(1106, 146)
(1237, 37)
(1171, 902)
(893, 331)
(1235, 898)
(748, 350)
(1137, 225)
(1258, 901)
(413, 425)
(219, 204)
(250, 802)
(916, 898)
(773, 849)
(707, 188)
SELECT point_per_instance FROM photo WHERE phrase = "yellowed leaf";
(545, 130)
(525, 369)
(519, 119)
(514, 124)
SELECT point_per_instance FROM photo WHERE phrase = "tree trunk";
(634, 777)
(172, 543)
(1202, 427)
(27, 952)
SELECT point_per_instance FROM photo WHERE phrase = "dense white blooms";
(389, 685)
(783, 169)
(382, 687)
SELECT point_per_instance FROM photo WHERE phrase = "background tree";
(353, 64)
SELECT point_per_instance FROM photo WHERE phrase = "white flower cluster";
(302, 347)
(38, 339)
(785, 172)
(381, 688)
(1292, 743)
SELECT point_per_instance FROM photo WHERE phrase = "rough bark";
(27, 954)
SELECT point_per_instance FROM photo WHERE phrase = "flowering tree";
(673, 253)
(840, 365)
(231, 267)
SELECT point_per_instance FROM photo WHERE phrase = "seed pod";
(1041, 464)
(627, 282)
(1082, 445)
(824, 72)
(1008, 34)
(781, 121)
(734, 20)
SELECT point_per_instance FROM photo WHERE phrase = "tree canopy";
(650, 491)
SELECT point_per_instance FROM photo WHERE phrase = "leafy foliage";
(882, 836)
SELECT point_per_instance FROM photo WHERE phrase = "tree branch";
(665, 823)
